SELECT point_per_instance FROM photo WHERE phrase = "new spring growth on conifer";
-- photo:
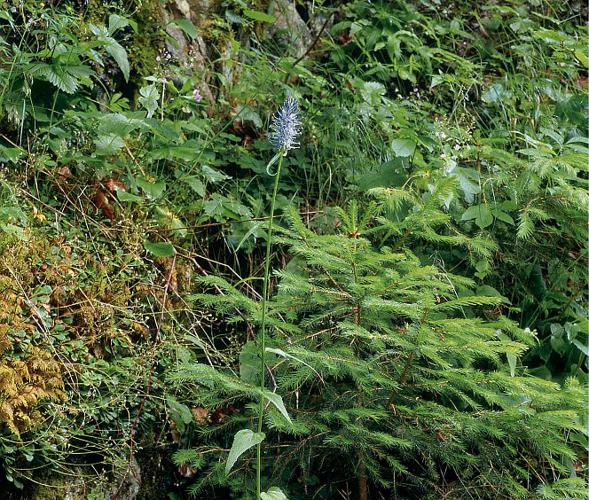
(286, 126)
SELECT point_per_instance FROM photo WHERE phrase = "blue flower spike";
(285, 127)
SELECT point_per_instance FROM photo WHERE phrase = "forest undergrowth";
(310, 249)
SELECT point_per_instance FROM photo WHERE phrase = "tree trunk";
(362, 481)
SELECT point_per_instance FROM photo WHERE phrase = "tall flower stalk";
(284, 131)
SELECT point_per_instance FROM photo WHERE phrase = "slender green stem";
(263, 328)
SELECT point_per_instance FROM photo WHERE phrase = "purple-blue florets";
(286, 126)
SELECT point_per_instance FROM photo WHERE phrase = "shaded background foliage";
(133, 152)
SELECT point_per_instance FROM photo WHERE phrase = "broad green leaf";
(159, 249)
(119, 54)
(108, 144)
(186, 26)
(496, 93)
(256, 15)
(10, 154)
(248, 114)
(481, 213)
(403, 147)
(273, 493)
(242, 441)
(583, 348)
(167, 219)
(512, 360)
(276, 400)
(582, 57)
(126, 196)
(180, 413)
(214, 175)
(195, 184)
(116, 22)
(249, 363)
(283, 354)
(503, 216)
(153, 190)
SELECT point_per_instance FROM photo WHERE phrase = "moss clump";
(146, 44)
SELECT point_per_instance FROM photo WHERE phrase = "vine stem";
(263, 327)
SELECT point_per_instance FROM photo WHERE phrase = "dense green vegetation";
(397, 308)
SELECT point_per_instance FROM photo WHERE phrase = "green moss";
(149, 39)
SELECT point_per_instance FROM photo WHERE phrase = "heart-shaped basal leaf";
(242, 441)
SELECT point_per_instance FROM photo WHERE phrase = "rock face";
(127, 487)
(190, 51)
(290, 27)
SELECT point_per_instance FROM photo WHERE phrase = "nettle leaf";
(403, 147)
(118, 124)
(468, 179)
(159, 249)
(149, 96)
(65, 77)
(242, 441)
(195, 184)
(274, 493)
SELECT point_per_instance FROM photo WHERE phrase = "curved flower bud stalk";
(286, 126)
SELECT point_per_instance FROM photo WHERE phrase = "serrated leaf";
(195, 184)
(242, 441)
(256, 15)
(214, 175)
(149, 96)
(159, 249)
(118, 53)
